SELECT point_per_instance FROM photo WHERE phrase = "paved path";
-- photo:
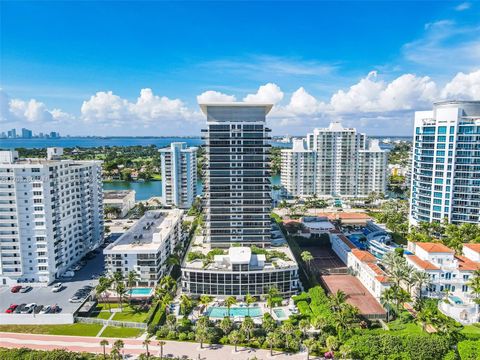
(134, 347)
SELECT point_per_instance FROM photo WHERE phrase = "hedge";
(301, 297)
(152, 312)
(469, 349)
(158, 320)
(304, 308)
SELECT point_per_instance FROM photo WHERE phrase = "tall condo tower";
(179, 174)
(237, 181)
(446, 164)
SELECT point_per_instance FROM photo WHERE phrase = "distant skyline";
(139, 68)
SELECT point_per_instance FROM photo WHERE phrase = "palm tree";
(249, 300)
(226, 325)
(205, 300)
(235, 337)
(420, 278)
(161, 343)
(272, 297)
(118, 345)
(288, 328)
(268, 323)
(309, 344)
(307, 258)
(104, 344)
(229, 302)
(121, 290)
(386, 300)
(247, 326)
(271, 340)
(338, 299)
(145, 343)
(171, 322)
(304, 325)
(185, 304)
(132, 279)
(201, 335)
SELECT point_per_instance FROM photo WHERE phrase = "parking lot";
(44, 295)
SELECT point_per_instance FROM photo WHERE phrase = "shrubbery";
(469, 349)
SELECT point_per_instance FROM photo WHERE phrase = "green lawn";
(70, 329)
(105, 315)
(130, 314)
(121, 332)
(471, 331)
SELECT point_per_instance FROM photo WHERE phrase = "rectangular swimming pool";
(141, 291)
(219, 312)
(280, 313)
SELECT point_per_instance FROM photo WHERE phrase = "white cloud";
(463, 86)
(111, 109)
(31, 111)
(371, 95)
(463, 6)
(211, 96)
(301, 102)
(269, 93)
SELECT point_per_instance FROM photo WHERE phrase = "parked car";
(19, 308)
(25, 289)
(16, 288)
(11, 308)
(77, 268)
(75, 299)
(57, 287)
(38, 309)
(28, 309)
(68, 274)
(55, 309)
(46, 310)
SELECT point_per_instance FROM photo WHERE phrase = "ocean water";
(69, 142)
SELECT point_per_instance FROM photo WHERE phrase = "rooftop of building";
(201, 255)
(116, 194)
(182, 145)
(364, 256)
(432, 247)
(422, 264)
(473, 247)
(148, 233)
(204, 106)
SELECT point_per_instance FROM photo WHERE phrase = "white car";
(45, 310)
(29, 308)
(75, 299)
(57, 287)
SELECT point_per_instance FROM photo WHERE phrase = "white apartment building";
(336, 162)
(298, 169)
(449, 275)
(123, 200)
(146, 246)
(446, 163)
(179, 175)
(51, 215)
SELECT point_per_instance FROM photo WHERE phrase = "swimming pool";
(456, 300)
(141, 291)
(221, 312)
(280, 313)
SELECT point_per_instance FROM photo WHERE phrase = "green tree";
(146, 343)
(309, 344)
(248, 326)
(104, 343)
(307, 258)
(229, 302)
(249, 300)
(185, 304)
(235, 337)
(161, 343)
(273, 297)
(271, 340)
(132, 278)
(226, 325)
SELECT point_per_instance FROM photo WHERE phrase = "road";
(134, 347)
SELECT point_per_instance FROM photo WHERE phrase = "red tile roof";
(474, 247)
(364, 256)
(466, 264)
(346, 241)
(423, 264)
(434, 247)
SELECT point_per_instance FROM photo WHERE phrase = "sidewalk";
(134, 347)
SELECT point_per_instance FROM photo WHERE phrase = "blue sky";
(80, 67)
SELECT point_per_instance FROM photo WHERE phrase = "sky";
(140, 68)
